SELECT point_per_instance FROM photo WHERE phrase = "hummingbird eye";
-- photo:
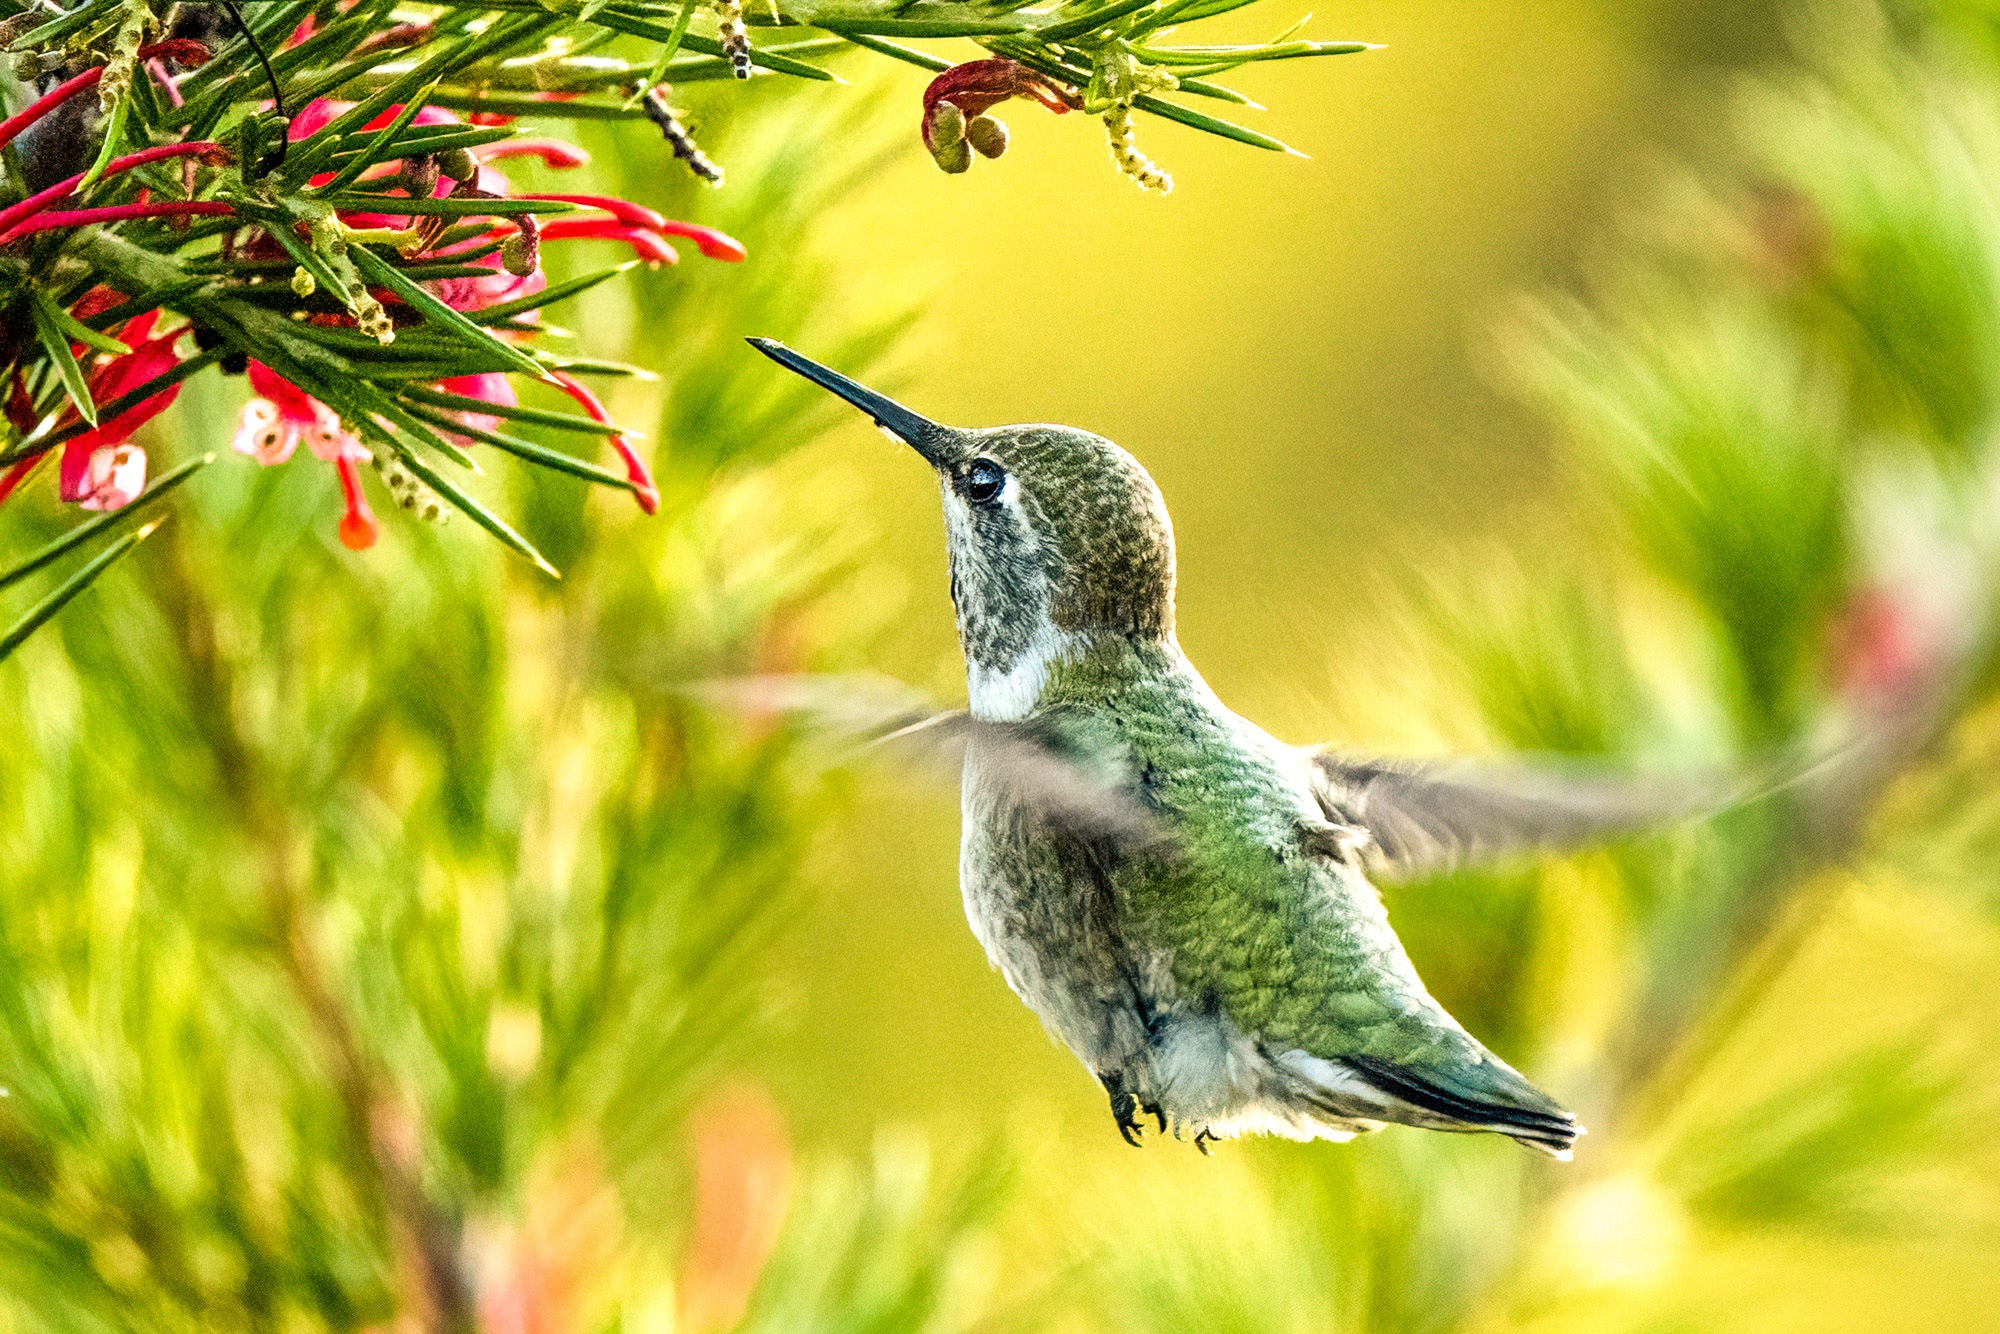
(983, 481)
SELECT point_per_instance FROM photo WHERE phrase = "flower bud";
(987, 136)
(302, 281)
(947, 125)
(420, 176)
(459, 164)
(954, 157)
(521, 253)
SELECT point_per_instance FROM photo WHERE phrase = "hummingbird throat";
(1008, 691)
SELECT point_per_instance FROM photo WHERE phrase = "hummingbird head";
(1057, 538)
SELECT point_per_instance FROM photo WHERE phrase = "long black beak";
(922, 434)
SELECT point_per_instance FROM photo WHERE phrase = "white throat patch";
(1010, 695)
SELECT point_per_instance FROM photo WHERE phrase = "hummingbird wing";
(1425, 816)
(1089, 794)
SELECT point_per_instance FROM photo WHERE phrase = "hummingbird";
(1182, 898)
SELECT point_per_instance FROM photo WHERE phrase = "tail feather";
(1501, 1101)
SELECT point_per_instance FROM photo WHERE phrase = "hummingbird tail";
(1489, 1096)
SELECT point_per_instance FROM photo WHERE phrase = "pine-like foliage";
(311, 190)
(370, 930)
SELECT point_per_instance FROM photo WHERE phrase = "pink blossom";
(492, 387)
(643, 489)
(273, 424)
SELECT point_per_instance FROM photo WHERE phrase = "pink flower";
(493, 387)
(282, 415)
(101, 469)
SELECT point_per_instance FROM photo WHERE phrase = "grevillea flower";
(491, 387)
(101, 468)
(956, 102)
(33, 214)
(274, 423)
(281, 416)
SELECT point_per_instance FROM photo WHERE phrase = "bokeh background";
(1611, 378)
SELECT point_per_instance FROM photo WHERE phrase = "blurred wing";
(1094, 797)
(1423, 817)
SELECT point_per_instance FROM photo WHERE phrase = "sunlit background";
(1327, 363)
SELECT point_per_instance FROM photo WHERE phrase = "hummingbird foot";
(1154, 1110)
(1124, 1108)
(1202, 1139)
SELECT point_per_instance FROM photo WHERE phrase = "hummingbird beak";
(922, 434)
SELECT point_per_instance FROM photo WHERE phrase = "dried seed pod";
(735, 38)
(987, 136)
(679, 138)
(1125, 152)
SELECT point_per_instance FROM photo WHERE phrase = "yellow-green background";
(1304, 353)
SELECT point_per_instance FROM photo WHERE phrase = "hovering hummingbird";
(1181, 897)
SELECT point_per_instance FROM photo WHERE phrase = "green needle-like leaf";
(668, 50)
(39, 614)
(55, 341)
(767, 59)
(436, 311)
(114, 135)
(85, 532)
(1093, 21)
(1214, 125)
(476, 512)
(79, 332)
(549, 295)
(540, 455)
(379, 147)
(126, 401)
(562, 421)
(450, 206)
(909, 56)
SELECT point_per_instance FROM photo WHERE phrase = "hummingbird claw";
(1125, 1111)
(1155, 1111)
(1202, 1139)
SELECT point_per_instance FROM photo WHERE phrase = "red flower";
(273, 424)
(647, 494)
(101, 468)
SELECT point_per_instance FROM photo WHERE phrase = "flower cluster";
(486, 259)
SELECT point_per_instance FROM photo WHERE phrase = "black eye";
(983, 481)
